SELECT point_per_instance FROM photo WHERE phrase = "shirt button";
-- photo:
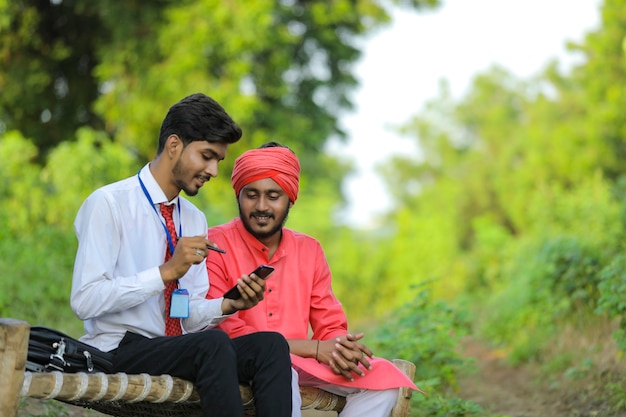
(270, 290)
(271, 314)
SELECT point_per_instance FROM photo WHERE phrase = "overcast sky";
(403, 64)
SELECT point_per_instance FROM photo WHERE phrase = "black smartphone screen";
(262, 271)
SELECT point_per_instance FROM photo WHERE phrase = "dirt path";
(505, 390)
(509, 391)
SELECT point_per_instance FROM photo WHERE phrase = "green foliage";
(43, 408)
(358, 262)
(613, 295)
(553, 273)
(588, 209)
(493, 247)
(547, 282)
(512, 201)
(426, 332)
(568, 270)
(20, 193)
(441, 406)
(424, 250)
(283, 71)
(37, 212)
(616, 391)
(600, 85)
(47, 56)
(38, 275)
(76, 168)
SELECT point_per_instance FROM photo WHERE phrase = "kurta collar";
(253, 242)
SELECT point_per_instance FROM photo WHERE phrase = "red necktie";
(172, 326)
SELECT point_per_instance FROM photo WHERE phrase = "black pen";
(213, 248)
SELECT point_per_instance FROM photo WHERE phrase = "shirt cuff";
(204, 314)
(151, 280)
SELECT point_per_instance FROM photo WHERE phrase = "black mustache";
(262, 214)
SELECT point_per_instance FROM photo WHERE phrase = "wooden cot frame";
(129, 393)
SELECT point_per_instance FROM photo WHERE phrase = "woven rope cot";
(124, 395)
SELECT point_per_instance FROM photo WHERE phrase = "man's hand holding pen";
(190, 250)
(216, 249)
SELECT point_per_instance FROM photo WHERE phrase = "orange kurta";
(298, 294)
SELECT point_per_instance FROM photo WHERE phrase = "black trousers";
(216, 365)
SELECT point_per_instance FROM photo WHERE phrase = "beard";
(180, 172)
(265, 234)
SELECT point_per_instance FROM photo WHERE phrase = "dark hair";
(274, 145)
(198, 117)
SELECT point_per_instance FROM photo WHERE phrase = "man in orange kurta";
(299, 292)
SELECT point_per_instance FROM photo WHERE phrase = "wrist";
(168, 273)
(165, 275)
(317, 351)
(228, 307)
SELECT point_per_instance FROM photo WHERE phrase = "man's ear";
(173, 144)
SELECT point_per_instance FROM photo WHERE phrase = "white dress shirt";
(117, 285)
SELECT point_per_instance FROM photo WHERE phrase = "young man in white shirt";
(136, 238)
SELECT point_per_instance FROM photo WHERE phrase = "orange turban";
(277, 163)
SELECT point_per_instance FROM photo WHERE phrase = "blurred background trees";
(507, 225)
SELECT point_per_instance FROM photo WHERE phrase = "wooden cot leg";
(403, 403)
(14, 336)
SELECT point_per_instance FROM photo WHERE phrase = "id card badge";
(179, 308)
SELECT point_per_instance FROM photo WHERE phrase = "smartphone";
(262, 271)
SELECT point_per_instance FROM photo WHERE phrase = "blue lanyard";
(170, 241)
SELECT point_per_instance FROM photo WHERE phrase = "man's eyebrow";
(247, 188)
(215, 154)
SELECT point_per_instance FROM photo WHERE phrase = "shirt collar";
(156, 193)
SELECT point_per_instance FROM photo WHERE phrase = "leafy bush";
(37, 209)
(613, 295)
(428, 333)
(547, 281)
(568, 269)
(38, 276)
